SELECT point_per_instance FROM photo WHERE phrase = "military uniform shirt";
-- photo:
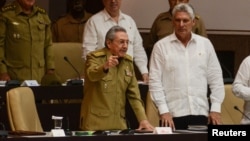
(103, 106)
(25, 43)
(68, 29)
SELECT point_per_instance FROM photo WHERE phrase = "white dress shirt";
(179, 76)
(95, 31)
(241, 87)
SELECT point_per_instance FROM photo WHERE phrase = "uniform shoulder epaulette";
(8, 7)
(99, 53)
(41, 10)
(128, 57)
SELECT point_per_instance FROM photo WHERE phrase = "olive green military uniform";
(163, 26)
(25, 43)
(68, 29)
(103, 106)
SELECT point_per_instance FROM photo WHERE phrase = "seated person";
(241, 88)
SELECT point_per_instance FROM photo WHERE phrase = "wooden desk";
(170, 137)
(70, 110)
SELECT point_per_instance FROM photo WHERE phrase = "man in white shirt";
(181, 66)
(241, 87)
(98, 25)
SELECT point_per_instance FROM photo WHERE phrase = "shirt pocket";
(16, 31)
(107, 85)
(40, 35)
(100, 112)
(127, 79)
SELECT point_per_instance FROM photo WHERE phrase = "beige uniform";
(103, 106)
(25, 43)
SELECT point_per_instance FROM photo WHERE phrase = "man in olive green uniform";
(163, 26)
(110, 79)
(70, 27)
(25, 42)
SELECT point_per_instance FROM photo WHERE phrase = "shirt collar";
(173, 37)
(108, 17)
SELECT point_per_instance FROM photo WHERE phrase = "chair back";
(152, 111)
(22, 110)
(228, 114)
(73, 51)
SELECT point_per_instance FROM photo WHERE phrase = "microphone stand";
(236, 108)
(68, 132)
(73, 82)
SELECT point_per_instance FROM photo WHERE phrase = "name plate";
(163, 130)
(30, 83)
(57, 133)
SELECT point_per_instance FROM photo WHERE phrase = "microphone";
(68, 132)
(3, 132)
(236, 108)
(75, 81)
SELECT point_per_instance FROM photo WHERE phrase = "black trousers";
(183, 122)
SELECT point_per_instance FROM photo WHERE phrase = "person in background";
(98, 25)
(241, 88)
(70, 27)
(25, 42)
(110, 80)
(163, 26)
(182, 65)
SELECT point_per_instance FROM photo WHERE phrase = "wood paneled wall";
(239, 44)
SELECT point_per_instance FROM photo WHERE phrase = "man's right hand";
(111, 62)
(167, 120)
